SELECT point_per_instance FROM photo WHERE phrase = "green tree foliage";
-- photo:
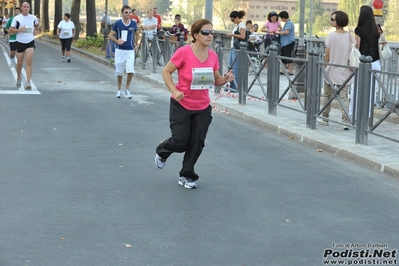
(223, 8)
(391, 29)
(352, 8)
(322, 24)
(316, 11)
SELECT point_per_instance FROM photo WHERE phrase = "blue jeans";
(232, 56)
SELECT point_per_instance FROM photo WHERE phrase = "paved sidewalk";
(380, 154)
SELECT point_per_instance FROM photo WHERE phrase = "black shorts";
(21, 47)
(13, 46)
(286, 51)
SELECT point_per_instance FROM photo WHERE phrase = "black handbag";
(236, 42)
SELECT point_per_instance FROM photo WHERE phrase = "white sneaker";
(63, 59)
(28, 86)
(118, 94)
(159, 162)
(19, 83)
(187, 182)
(322, 121)
(128, 94)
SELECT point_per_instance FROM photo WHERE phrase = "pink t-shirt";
(272, 26)
(196, 97)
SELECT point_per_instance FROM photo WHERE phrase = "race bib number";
(203, 78)
(28, 31)
(66, 33)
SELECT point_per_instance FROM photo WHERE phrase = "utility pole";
(301, 50)
(209, 10)
(125, 2)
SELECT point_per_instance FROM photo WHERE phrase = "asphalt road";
(78, 184)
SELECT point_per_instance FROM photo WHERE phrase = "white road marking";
(21, 90)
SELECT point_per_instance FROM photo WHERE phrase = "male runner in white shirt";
(25, 26)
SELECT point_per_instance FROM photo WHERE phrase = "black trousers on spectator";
(189, 129)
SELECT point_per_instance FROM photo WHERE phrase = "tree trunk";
(45, 19)
(75, 9)
(37, 8)
(57, 15)
(91, 22)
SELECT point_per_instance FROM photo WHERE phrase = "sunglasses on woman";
(207, 32)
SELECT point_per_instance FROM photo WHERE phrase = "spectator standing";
(124, 33)
(150, 25)
(238, 32)
(66, 33)
(13, 38)
(367, 35)
(25, 26)
(338, 46)
(287, 40)
(178, 28)
(190, 112)
(158, 17)
(134, 17)
(106, 24)
(270, 27)
(4, 22)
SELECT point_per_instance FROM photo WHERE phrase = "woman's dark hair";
(341, 18)
(178, 17)
(67, 15)
(284, 15)
(367, 20)
(270, 15)
(237, 14)
(197, 26)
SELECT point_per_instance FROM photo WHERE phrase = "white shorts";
(124, 59)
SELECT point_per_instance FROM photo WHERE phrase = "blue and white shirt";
(129, 29)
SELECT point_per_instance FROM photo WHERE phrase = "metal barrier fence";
(305, 85)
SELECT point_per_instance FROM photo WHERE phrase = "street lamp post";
(301, 51)
(209, 9)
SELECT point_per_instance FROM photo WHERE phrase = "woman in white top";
(66, 33)
(338, 46)
(238, 33)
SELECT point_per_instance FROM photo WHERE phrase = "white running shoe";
(28, 86)
(128, 94)
(322, 121)
(159, 162)
(187, 182)
(118, 94)
(19, 83)
(63, 59)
